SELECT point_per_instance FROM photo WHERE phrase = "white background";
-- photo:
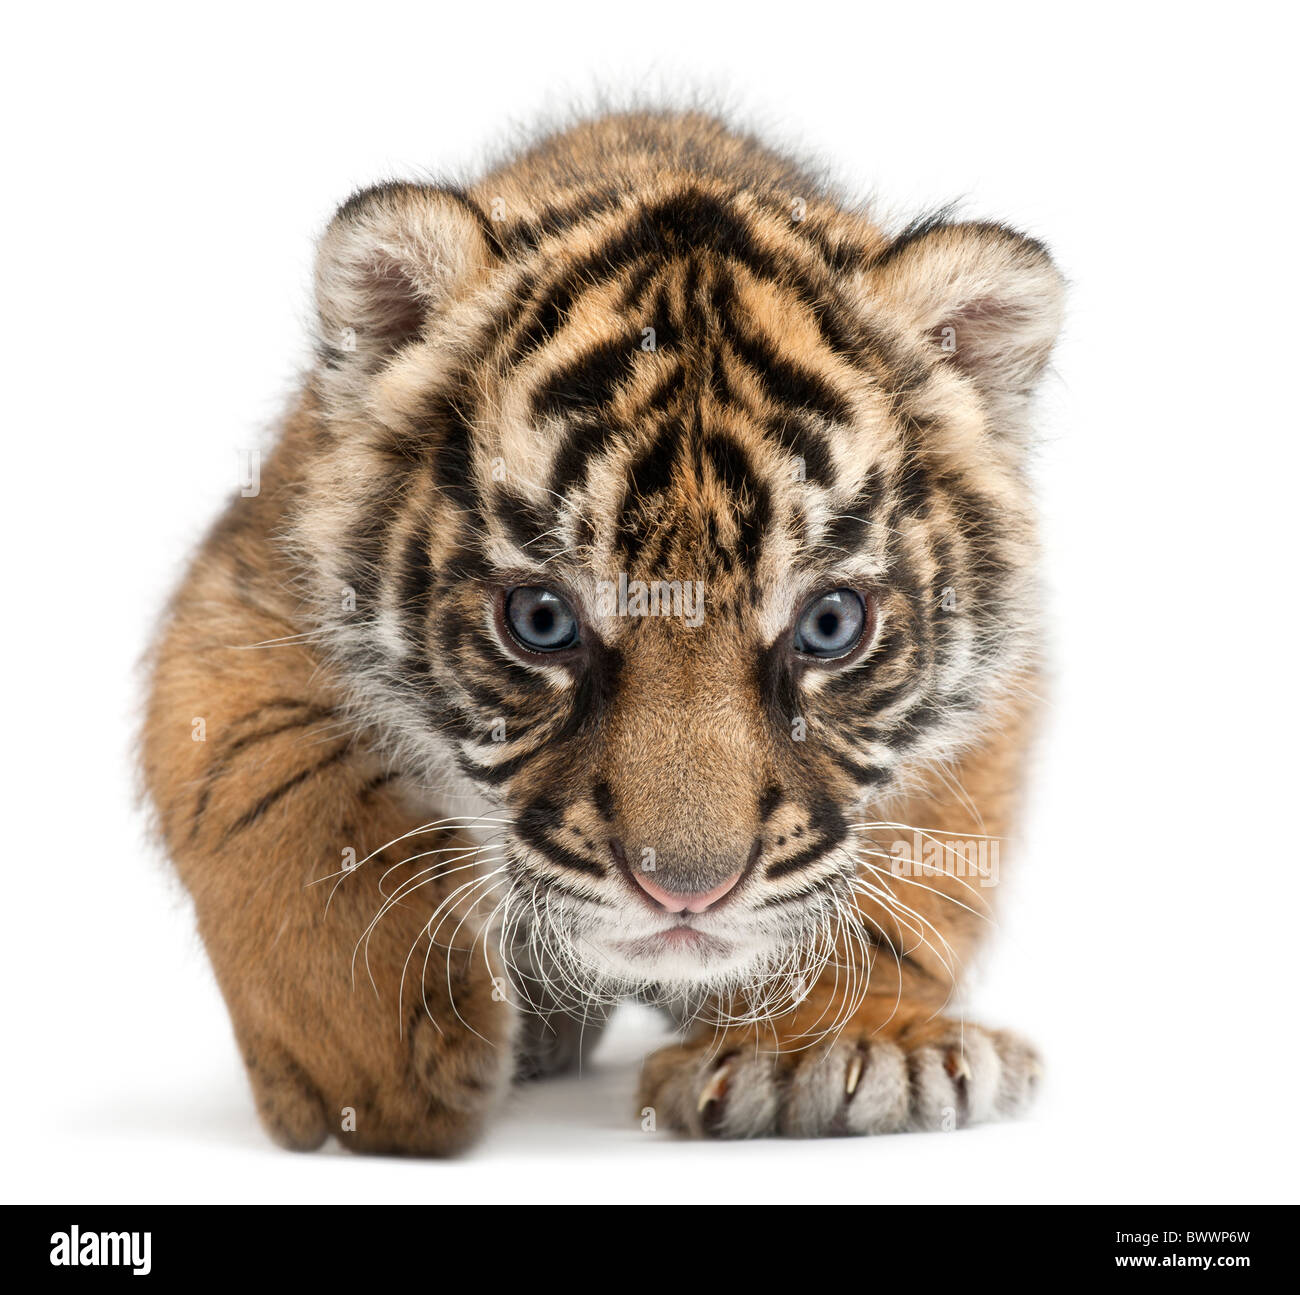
(166, 172)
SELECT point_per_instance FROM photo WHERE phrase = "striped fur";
(648, 349)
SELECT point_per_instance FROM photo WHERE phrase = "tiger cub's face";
(686, 533)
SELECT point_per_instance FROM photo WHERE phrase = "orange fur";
(647, 348)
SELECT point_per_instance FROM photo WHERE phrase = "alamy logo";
(925, 855)
(681, 598)
(78, 1249)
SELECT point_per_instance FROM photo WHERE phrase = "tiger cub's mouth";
(681, 936)
(680, 954)
(634, 930)
(683, 913)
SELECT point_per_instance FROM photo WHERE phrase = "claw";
(854, 1075)
(958, 1066)
(715, 1089)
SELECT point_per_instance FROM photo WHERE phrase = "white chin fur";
(673, 969)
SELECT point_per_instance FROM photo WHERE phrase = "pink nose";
(677, 902)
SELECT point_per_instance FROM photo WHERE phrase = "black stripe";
(376, 784)
(753, 513)
(493, 774)
(368, 541)
(914, 724)
(227, 754)
(649, 475)
(444, 428)
(866, 775)
(678, 225)
(603, 798)
(769, 802)
(586, 439)
(785, 381)
(526, 522)
(415, 584)
(796, 861)
(273, 797)
(591, 380)
(526, 233)
(848, 528)
(531, 826)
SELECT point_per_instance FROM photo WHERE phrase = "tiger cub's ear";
(391, 255)
(988, 300)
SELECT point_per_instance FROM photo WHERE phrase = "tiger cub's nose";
(680, 901)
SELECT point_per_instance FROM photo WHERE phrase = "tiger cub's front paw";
(950, 1076)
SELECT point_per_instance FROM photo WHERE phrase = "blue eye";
(541, 620)
(831, 625)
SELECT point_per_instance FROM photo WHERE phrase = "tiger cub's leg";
(350, 1024)
(893, 1059)
(876, 1044)
(891, 1068)
(558, 1027)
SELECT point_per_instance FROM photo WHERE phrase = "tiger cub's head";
(684, 524)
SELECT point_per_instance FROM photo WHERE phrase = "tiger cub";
(639, 602)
